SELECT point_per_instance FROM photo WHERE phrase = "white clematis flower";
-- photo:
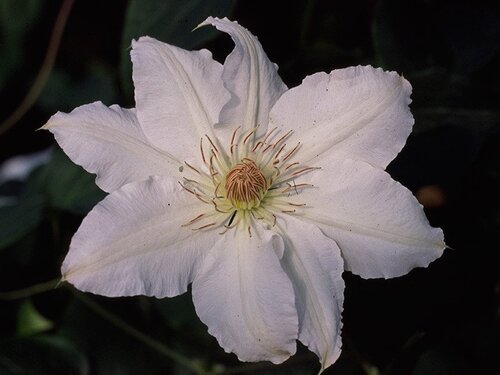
(258, 195)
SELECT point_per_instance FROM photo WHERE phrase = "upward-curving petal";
(134, 242)
(110, 143)
(245, 298)
(314, 264)
(359, 112)
(378, 224)
(178, 95)
(251, 78)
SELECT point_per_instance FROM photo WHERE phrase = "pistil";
(246, 185)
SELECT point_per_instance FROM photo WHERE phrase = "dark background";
(439, 320)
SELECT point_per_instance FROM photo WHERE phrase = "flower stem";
(31, 290)
(153, 344)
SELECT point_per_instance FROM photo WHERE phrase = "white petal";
(359, 112)
(251, 78)
(110, 143)
(314, 264)
(378, 224)
(245, 298)
(133, 242)
(178, 94)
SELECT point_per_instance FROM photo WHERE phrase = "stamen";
(202, 153)
(249, 134)
(193, 220)
(260, 143)
(234, 135)
(194, 193)
(229, 226)
(267, 148)
(185, 188)
(204, 226)
(295, 186)
(267, 215)
(291, 165)
(269, 134)
(279, 152)
(201, 199)
(282, 138)
(204, 187)
(290, 153)
(217, 207)
(232, 218)
(250, 183)
(305, 170)
(213, 145)
(217, 189)
(193, 168)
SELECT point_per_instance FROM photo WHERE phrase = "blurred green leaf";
(16, 17)
(30, 321)
(41, 355)
(113, 351)
(66, 186)
(471, 33)
(178, 312)
(170, 21)
(403, 35)
(63, 92)
(19, 219)
(440, 361)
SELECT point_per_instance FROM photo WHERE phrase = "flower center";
(255, 179)
(245, 185)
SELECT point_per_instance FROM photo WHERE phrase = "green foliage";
(402, 35)
(441, 320)
(16, 19)
(30, 321)
(58, 185)
(66, 186)
(20, 218)
(42, 355)
(63, 90)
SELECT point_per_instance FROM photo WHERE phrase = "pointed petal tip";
(46, 126)
(51, 123)
(208, 21)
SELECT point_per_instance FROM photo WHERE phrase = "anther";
(213, 145)
(193, 220)
(202, 153)
(204, 226)
(193, 168)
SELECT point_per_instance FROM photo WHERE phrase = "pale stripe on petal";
(110, 143)
(378, 224)
(251, 78)
(134, 242)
